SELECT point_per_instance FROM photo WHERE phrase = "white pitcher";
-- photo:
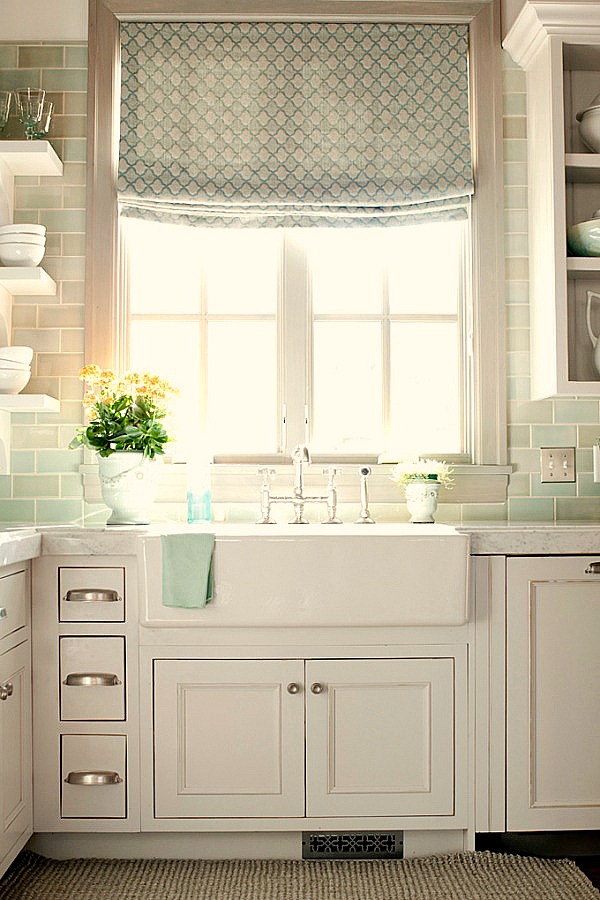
(592, 295)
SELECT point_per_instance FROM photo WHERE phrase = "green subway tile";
(517, 316)
(524, 460)
(515, 197)
(545, 489)
(41, 339)
(517, 339)
(554, 436)
(515, 151)
(70, 412)
(65, 268)
(71, 389)
(516, 220)
(73, 174)
(57, 364)
(24, 316)
(64, 79)
(483, 512)
(74, 197)
(53, 244)
(59, 316)
(63, 220)
(22, 461)
(588, 435)
(5, 486)
(58, 98)
(515, 105)
(13, 79)
(73, 292)
(95, 514)
(518, 388)
(36, 485)
(8, 57)
(75, 104)
(45, 385)
(508, 62)
(514, 244)
(26, 217)
(76, 57)
(18, 512)
(531, 412)
(514, 127)
(516, 269)
(38, 56)
(59, 512)
(36, 197)
(586, 486)
(582, 509)
(517, 363)
(514, 81)
(71, 486)
(22, 418)
(583, 461)
(73, 150)
(515, 174)
(74, 245)
(34, 436)
(72, 340)
(516, 292)
(538, 509)
(578, 411)
(519, 436)
(519, 484)
(69, 126)
(58, 460)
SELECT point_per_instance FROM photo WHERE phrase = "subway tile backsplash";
(46, 486)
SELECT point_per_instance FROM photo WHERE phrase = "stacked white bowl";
(15, 368)
(22, 245)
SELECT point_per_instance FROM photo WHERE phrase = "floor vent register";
(352, 845)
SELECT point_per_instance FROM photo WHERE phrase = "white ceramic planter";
(129, 483)
(422, 499)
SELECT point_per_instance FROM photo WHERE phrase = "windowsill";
(239, 483)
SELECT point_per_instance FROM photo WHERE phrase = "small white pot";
(422, 499)
(129, 483)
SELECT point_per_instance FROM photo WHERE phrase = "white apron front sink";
(316, 575)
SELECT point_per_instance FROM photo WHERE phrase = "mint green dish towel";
(187, 569)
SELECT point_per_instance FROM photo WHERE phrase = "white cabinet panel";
(14, 602)
(229, 738)
(15, 745)
(94, 778)
(91, 594)
(553, 696)
(92, 678)
(380, 737)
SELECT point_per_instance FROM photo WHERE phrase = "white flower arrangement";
(422, 470)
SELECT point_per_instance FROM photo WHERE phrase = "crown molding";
(540, 19)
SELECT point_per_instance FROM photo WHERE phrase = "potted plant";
(126, 431)
(421, 480)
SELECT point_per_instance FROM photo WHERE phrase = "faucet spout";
(300, 458)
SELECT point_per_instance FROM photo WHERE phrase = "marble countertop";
(494, 538)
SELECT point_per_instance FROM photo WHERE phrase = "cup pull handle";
(593, 569)
(91, 779)
(91, 679)
(93, 595)
(3, 612)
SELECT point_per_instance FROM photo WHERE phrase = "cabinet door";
(15, 746)
(228, 738)
(380, 737)
(553, 696)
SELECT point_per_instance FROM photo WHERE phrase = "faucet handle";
(301, 453)
(266, 473)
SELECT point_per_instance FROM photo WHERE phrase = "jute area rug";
(459, 876)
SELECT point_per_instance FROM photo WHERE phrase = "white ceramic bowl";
(12, 382)
(18, 353)
(35, 239)
(589, 128)
(8, 365)
(23, 229)
(583, 239)
(21, 254)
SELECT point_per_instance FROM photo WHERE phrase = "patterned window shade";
(294, 123)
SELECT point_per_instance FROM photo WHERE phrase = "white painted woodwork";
(553, 703)
(14, 601)
(15, 752)
(81, 655)
(380, 737)
(94, 753)
(28, 403)
(229, 738)
(24, 280)
(559, 46)
(108, 581)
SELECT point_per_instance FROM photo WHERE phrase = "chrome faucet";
(298, 499)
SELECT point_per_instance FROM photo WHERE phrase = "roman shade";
(280, 123)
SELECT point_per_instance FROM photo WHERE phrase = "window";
(333, 344)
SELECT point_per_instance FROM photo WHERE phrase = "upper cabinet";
(558, 45)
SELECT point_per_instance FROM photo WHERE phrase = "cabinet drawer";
(14, 602)
(89, 594)
(93, 779)
(92, 679)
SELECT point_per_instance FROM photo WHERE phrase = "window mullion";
(295, 339)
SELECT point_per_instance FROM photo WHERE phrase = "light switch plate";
(557, 464)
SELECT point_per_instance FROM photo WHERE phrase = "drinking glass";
(43, 127)
(5, 97)
(29, 103)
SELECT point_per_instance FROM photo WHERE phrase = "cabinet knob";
(316, 688)
(293, 688)
(593, 569)
(6, 690)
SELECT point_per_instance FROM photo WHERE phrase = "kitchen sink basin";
(322, 575)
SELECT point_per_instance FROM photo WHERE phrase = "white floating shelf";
(30, 158)
(583, 266)
(583, 167)
(27, 280)
(28, 403)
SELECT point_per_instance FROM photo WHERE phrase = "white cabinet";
(229, 738)
(15, 715)
(561, 55)
(552, 693)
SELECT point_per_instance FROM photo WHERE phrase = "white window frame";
(104, 336)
